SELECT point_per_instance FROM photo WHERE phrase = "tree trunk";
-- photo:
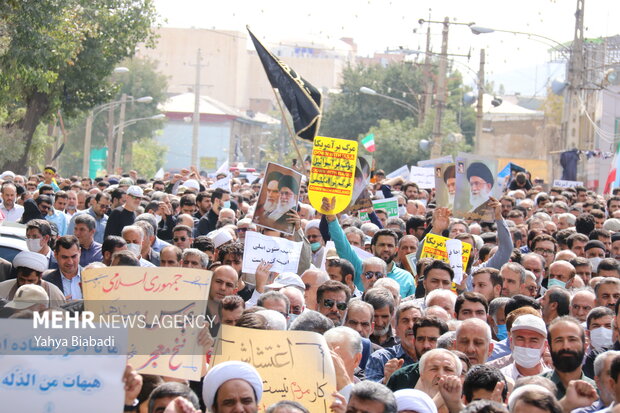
(38, 106)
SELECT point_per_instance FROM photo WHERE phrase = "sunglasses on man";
(329, 303)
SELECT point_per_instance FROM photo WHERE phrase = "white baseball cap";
(530, 322)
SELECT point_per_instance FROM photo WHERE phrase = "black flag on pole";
(302, 100)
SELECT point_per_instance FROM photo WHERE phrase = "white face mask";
(402, 211)
(526, 357)
(135, 249)
(601, 337)
(158, 218)
(34, 245)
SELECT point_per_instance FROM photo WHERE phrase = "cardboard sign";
(294, 365)
(282, 253)
(476, 182)
(330, 185)
(165, 310)
(566, 184)
(279, 194)
(389, 205)
(435, 247)
(40, 374)
(424, 177)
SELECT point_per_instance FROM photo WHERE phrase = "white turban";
(32, 260)
(313, 224)
(230, 370)
(416, 400)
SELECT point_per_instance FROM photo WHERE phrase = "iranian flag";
(369, 142)
(613, 178)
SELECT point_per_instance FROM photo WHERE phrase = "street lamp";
(484, 30)
(404, 104)
(91, 117)
(121, 127)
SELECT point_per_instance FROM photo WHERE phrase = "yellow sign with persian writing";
(330, 185)
(164, 310)
(435, 247)
(294, 365)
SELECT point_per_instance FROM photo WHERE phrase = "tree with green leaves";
(142, 80)
(58, 55)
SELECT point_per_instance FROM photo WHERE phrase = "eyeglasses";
(181, 239)
(532, 289)
(329, 303)
(543, 251)
(371, 274)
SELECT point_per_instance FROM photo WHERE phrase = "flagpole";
(290, 130)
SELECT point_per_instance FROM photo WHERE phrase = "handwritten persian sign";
(566, 184)
(164, 309)
(432, 162)
(330, 185)
(294, 365)
(435, 247)
(223, 183)
(282, 253)
(455, 258)
(40, 372)
(424, 177)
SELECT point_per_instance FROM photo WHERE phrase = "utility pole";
(196, 117)
(479, 113)
(441, 90)
(428, 92)
(109, 162)
(574, 78)
(87, 142)
(121, 130)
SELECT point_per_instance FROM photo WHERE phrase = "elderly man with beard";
(288, 188)
(567, 345)
(383, 245)
(384, 362)
(480, 182)
(273, 195)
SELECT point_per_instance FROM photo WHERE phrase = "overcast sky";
(379, 24)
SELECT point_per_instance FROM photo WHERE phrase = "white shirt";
(14, 214)
(510, 371)
(72, 286)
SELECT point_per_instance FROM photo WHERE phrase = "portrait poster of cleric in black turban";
(476, 182)
(278, 195)
(361, 196)
(445, 185)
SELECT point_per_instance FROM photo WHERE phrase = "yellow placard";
(164, 309)
(330, 185)
(435, 247)
(294, 365)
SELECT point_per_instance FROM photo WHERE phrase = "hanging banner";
(330, 185)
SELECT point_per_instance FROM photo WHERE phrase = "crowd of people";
(532, 327)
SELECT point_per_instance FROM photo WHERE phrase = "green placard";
(389, 205)
(98, 157)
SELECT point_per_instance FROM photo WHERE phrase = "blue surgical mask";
(502, 332)
(226, 204)
(291, 318)
(554, 282)
(315, 246)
